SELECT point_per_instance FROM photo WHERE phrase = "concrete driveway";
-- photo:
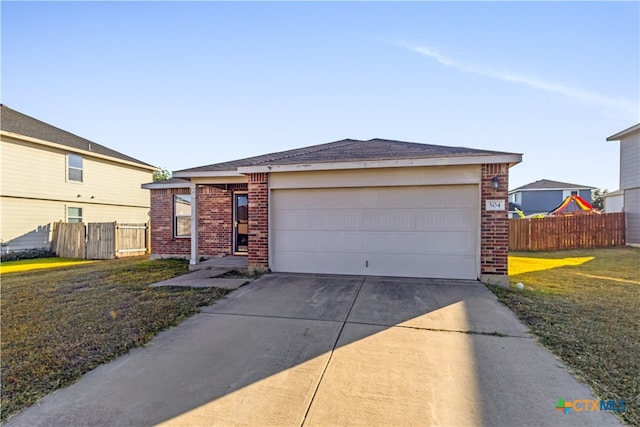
(293, 350)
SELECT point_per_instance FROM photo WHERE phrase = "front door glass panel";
(241, 223)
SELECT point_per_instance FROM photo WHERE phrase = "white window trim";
(567, 193)
(75, 217)
(176, 216)
(69, 167)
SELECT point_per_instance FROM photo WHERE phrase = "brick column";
(494, 234)
(259, 220)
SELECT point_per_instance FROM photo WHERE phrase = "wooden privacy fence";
(99, 240)
(567, 232)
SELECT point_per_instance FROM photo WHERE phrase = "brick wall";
(494, 236)
(215, 221)
(259, 220)
(162, 240)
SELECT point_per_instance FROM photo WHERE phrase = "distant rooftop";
(547, 184)
(21, 124)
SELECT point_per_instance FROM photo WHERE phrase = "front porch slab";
(205, 278)
(230, 261)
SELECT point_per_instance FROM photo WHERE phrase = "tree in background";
(597, 198)
(161, 175)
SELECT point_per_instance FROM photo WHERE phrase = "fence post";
(116, 240)
(54, 237)
(147, 237)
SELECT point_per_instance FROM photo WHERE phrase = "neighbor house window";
(567, 193)
(182, 216)
(74, 167)
(74, 214)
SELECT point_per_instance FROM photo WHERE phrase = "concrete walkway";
(207, 274)
(294, 350)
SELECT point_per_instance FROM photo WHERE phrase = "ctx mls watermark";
(590, 405)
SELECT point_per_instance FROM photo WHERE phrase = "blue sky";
(180, 85)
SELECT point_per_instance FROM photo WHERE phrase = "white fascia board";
(512, 159)
(159, 186)
(237, 179)
(552, 189)
(75, 150)
(618, 136)
(205, 174)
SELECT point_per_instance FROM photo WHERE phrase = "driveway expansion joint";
(264, 316)
(419, 328)
(333, 349)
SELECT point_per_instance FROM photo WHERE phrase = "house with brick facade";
(377, 207)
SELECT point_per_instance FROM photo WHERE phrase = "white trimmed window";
(567, 193)
(74, 167)
(182, 216)
(74, 214)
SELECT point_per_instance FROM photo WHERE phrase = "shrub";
(27, 254)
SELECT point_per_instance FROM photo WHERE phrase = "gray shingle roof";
(16, 122)
(347, 150)
(168, 183)
(547, 184)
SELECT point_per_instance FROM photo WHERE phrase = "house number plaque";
(495, 205)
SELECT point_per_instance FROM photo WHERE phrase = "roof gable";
(547, 184)
(346, 150)
(21, 124)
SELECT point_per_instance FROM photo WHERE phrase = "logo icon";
(564, 406)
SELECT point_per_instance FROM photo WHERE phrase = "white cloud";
(583, 95)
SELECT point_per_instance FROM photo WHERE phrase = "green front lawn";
(39, 264)
(58, 324)
(584, 305)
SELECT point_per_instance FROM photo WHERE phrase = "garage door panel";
(321, 262)
(427, 231)
(379, 264)
(415, 265)
(375, 220)
(445, 243)
(376, 197)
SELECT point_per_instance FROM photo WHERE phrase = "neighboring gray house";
(630, 179)
(545, 195)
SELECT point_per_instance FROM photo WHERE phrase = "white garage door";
(422, 231)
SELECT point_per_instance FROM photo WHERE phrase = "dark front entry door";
(240, 223)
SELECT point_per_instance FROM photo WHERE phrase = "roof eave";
(206, 174)
(517, 190)
(618, 136)
(76, 150)
(511, 159)
(158, 185)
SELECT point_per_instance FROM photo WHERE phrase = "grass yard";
(584, 305)
(58, 324)
(39, 264)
